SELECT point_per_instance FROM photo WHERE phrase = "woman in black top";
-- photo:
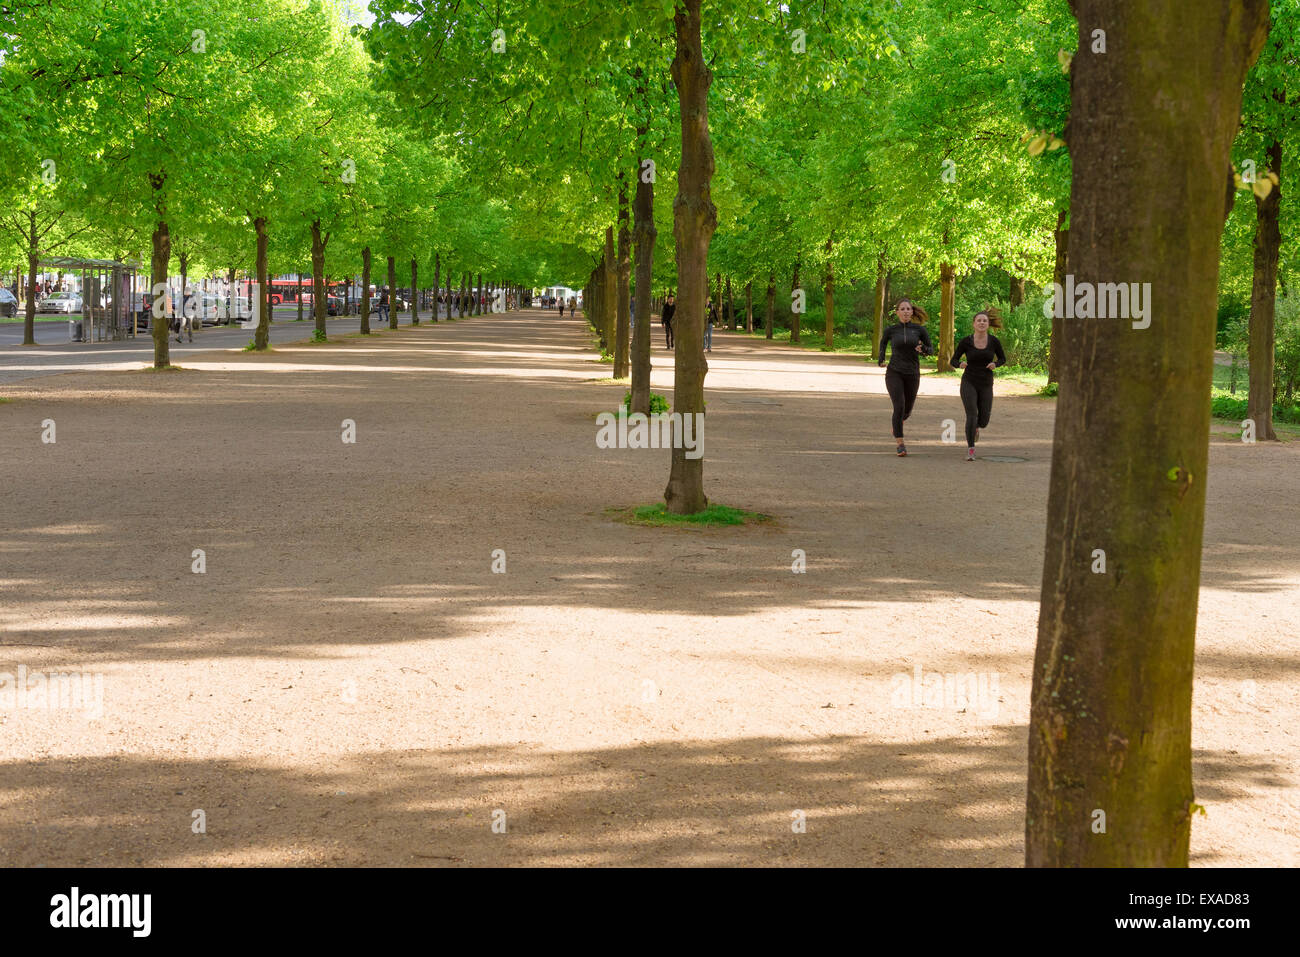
(903, 377)
(978, 354)
(666, 317)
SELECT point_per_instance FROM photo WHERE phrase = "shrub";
(658, 403)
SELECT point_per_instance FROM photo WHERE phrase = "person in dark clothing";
(666, 317)
(903, 377)
(977, 356)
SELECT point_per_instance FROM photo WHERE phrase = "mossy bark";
(1110, 720)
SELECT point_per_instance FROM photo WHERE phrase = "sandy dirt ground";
(349, 682)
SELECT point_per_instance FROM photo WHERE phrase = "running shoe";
(970, 455)
(902, 449)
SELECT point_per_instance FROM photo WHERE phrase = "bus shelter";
(111, 297)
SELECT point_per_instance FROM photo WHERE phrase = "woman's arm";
(884, 344)
(927, 348)
(962, 347)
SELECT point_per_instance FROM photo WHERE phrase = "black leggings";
(668, 331)
(902, 392)
(978, 400)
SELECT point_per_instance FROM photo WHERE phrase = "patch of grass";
(1050, 389)
(318, 335)
(167, 369)
(659, 515)
(252, 346)
(610, 380)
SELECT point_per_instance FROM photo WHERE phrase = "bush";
(658, 403)
(1026, 336)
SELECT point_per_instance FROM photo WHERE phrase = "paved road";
(54, 353)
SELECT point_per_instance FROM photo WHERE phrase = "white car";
(64, 302)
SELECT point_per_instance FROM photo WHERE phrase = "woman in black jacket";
(666, 317)
(903, 377)
(977, 356)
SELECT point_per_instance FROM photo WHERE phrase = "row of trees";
(216, 137)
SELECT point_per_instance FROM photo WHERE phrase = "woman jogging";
(666, 317)
(978, 355)
(903, 377)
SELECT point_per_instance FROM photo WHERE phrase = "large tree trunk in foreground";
(1062, 237)
(1110, 722)
(160, 260)
(644, 235)
(624, 278)
(947, 313)
(878, 309)
(319, 303)
(694, 220)
(365, 291)
(1263, 293)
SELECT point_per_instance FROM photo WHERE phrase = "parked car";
(8, 304)
(60, 302)
(333, 304)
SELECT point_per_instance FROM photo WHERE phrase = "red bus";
(289, 290)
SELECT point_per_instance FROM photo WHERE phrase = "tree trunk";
(437, 279)
(319, 302)
(1110, 720)
(1263, 292)
(644, 236)
(161, 259)
(749, 306)
(1062, 236)
(449, 292)
(947, 313)
(794, 315)
(878, 310)
(415, 294)
(1016, 292)
(262, 334)
(694, 220)
(33, 267)
(183, 260)
(299, 275)
(771, 303)
(609, 283)
(731, 308)
(830, 297)
(365, 291)
(392, 292)
(621, 330)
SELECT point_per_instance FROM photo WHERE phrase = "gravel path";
(348, 682)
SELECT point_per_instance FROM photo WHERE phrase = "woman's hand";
(881, 363)
(963, 363)
(918, 347)
(992, 365)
